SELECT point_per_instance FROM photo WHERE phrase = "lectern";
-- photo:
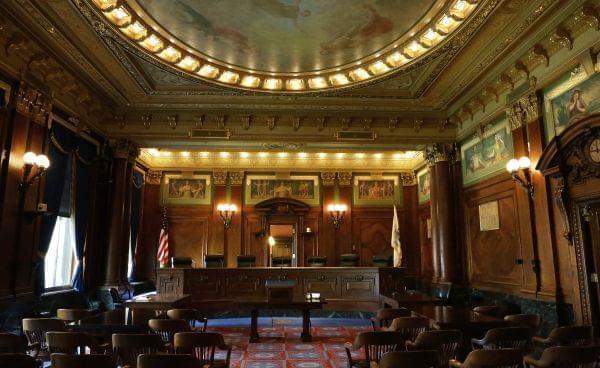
(280, 291)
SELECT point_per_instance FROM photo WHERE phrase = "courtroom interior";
(299, 183)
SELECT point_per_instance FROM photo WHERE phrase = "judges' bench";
(344, 288)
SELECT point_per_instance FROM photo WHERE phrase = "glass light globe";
(29, 158)
(232, 208)
(524, 162)
(42, 161)
(512, 165)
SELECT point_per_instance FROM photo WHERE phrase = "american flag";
(163, 241)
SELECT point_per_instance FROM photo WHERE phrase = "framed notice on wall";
(489, 218)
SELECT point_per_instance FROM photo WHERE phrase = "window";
(129, 260)
(60, 262)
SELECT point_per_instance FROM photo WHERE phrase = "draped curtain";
(67, 192)
(136, 209)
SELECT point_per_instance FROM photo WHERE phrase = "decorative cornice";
(153, 177)
(328, 178)
(236, 177)
(408, 178)
(344, 177)
(219, 177)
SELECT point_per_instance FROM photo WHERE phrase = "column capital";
(439, 152)
(126, 149)
(219, 177)
(328, 178)
(344, 177)
(236, 177)
(33, 103)
(524, 110)
(408, 178)
(153, 177)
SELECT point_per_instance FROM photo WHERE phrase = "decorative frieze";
(220, 177)
(328, 178)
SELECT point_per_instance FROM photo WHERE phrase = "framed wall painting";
(424, 185)
(186, 189)
(263, 187)
(377, 191)
(489, 218)
(486, 155)
(572, 97)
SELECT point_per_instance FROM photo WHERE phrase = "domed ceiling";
(289, 46)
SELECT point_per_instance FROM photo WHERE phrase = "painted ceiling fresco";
(287, 35)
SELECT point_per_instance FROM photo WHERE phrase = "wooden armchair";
(500, 358)
(82, 361)
(375, 345)
(566, 336)
(167, 328)
(35, 330)
(127, 347)
(202, 346)
(168, 360)
(532, 321)
(71, 315)
(386, 315)
(566, 357)
(192, 316)
(412, 359)
(445, 342)
(409, 327)
(488, 310)
(73, 343)
(504, 338)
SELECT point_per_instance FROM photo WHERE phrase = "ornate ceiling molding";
(130, 27)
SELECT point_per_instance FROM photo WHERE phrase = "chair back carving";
(35, 330)
(82, 361)
(412, 359)
(127, 347)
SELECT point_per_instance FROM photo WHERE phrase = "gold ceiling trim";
(384, 161)
(133, 25)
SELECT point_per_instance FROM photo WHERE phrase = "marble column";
(124, 154)
(443, 212)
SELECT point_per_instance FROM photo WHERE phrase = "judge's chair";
(316, 261)
(349, 260)
(246, 261)
(214, 261)
(183, 262)
(382, 261)
(282, 262)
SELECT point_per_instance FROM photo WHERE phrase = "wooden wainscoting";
(189, 232)
(371, 233)
(425, 241)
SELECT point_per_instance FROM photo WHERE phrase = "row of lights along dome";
(136, 30)
(359, 155)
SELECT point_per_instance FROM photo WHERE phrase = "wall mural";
(262, 187)
(377, 191)
(486, 155)
(256, 34)
(186, 189)
(424, 185)
(572, 97)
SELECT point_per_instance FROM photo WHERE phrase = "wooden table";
(407, 300)
(156, 301)
(304, 305)
(105, 324)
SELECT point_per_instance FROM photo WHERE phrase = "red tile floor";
(280, 345)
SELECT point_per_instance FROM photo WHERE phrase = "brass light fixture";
(337, 212)
(33, 161)
(226, 211)
(519, 171)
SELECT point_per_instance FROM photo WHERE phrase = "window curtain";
(136, 212)
(62, 143)
(84, 155)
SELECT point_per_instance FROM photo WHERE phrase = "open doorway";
(282, 245)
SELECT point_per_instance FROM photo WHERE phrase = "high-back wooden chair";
(16, 360)
(168, 361)
(35, 330)
(141, 316)
(504, 338)
(72, 343)
(12, 344)
(410, 359)
(567, 357)
(202, 346)
(409, 327)
(375, 345)
(500, 358)
(127, 347)
(167, 328)
(566, 336)
(71, 315)
(385, 316)
(525, 320)
(192, 316)
(446, 342)
(82, 361)
(488, 310)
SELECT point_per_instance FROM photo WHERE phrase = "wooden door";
(373, 236)
(590, 216)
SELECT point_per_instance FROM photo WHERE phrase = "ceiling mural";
(289, 36)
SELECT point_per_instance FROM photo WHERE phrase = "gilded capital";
(236, 177)
(439, 152)
(125, 148)
(523, 111)
(328, 178)
(220, 177)
(153, 177)
(408, 178)
(345, 177)
(33, 104)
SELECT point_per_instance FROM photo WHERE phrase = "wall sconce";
(31, 161)
(522, 165)
(337, 212)
(226, 211)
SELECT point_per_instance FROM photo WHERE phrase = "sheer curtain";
(60, 262)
